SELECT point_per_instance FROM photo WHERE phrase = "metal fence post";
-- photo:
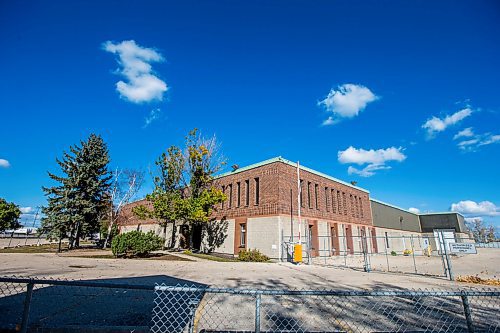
(413, 253)
(468, 315)
(448, 260)
(257, 312)
(386, 255)
(26, 310)
(364, 246)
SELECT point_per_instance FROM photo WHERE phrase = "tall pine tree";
(78, 203)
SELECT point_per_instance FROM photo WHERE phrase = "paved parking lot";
(239, 274)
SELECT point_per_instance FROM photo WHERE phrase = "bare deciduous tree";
(125, 185)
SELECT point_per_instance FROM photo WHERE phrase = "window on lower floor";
(243, 234)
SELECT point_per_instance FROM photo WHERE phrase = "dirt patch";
(46, 248)
(478, 280)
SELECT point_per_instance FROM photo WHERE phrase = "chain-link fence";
(187, 309)
(40, 304)
(416, 254)
(48, 304)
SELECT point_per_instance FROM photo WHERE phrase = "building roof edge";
(393, 206)
(294, 164)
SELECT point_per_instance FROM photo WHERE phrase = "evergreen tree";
(78, 203)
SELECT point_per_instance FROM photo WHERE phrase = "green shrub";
(252, 255)
(393, 253)
(135, 243)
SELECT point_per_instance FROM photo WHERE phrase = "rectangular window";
(327, 194)
(334, 202)
(247, 194)
(301, 193)
(352, 205)
(339, 203)
(238, 192)
(356, 206)
(361, 207)
(223, 191)
(243, 234)
(230, 196)
(316, 196)
(309, 194)
(386, 240)
(257, 189)
(344, 202)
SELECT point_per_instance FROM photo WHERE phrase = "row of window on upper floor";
(228, 190)
(335, 200)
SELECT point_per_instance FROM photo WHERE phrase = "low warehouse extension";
(337, 218)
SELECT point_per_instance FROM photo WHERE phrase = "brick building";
(262, 213)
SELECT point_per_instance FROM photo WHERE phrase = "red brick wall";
(275, 181)
(268, 192)
(288, 180)
(128, 218)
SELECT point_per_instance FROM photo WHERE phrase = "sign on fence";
(465, 248)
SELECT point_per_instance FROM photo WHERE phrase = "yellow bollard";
(297, 253)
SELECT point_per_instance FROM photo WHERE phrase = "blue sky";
(375, 92)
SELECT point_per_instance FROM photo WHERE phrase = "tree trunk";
(191, 227)
(172, 241)
(105, 245)
(77, 236)
(164, 236)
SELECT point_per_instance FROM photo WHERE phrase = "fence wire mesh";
(196, 308)
(62, 303)
(429, 255)
(233, 310)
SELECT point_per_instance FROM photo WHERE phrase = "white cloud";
(4, 163)
(435, 124)
(465, 133)
(469, 207)
(329, 121)
(367, 171)
(346, 102)
(135, 61)
(490, 139)
(26, 210)
(362, 156)
(414, 210)
(376, 159)
(153, 115)
(477, 141)
(473, 219)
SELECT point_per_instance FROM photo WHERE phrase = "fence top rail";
(319, 292)
(76, 283)
(485, 292)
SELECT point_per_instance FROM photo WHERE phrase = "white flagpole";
(298, 199)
